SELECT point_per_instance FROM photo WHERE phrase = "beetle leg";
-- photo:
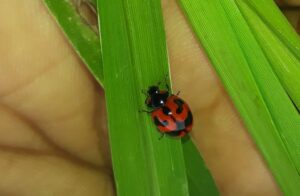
(162, 135)
(142, 110)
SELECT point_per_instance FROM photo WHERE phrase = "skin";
(53, 135)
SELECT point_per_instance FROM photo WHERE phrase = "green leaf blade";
(287, 69)
(83, 38)
(268, 11)
(251, 83)
(282, 57)
(199, 177)
(134, 57)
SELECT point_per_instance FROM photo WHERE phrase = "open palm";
(53, 136)
(52, 139)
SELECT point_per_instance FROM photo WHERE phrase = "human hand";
(53, 137)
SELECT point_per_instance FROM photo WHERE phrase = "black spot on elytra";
(189, 120)
(174, 133)
(179, 103)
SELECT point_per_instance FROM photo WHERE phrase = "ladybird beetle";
(170, 114)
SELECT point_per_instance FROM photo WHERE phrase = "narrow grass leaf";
(250, 81)
(282, 110)
(278, 41)
(199, 178)
(287, 68)
(277, 22)
(135, 57)
(84, 40)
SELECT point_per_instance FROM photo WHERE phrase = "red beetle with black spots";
(170, 113)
